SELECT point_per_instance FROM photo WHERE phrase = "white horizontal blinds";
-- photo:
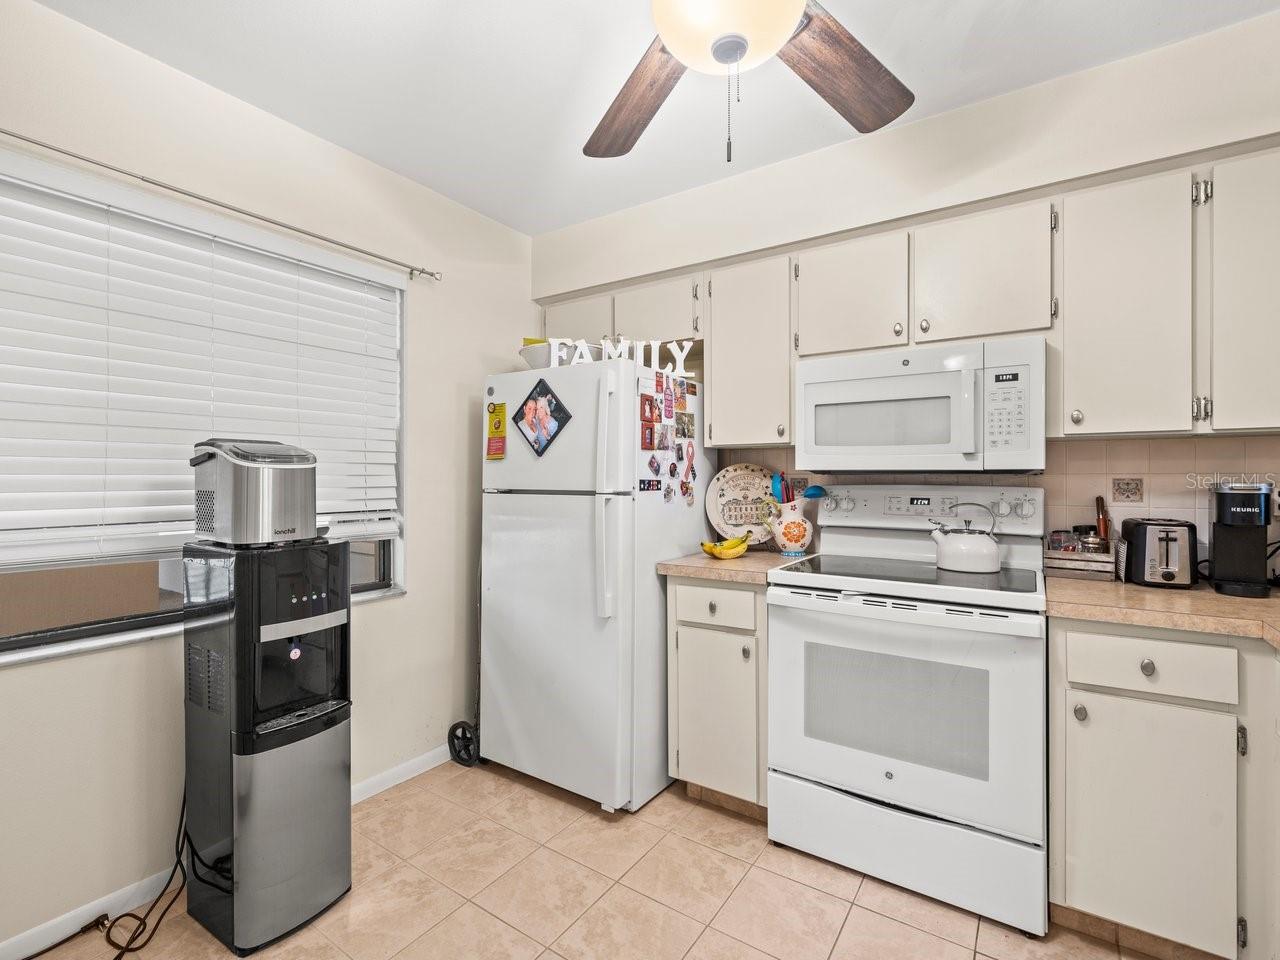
(124, 341)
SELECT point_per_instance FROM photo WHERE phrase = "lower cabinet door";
(1150, 812)
(716, 686)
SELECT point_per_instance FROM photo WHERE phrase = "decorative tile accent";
(1127, 490)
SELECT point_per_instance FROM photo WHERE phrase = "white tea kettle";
(965, 549)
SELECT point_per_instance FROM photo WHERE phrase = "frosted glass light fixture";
(711, 35)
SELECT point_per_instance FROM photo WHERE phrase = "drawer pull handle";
(711, 608)
(1081, 712)
(746, 651)
(1147, 666)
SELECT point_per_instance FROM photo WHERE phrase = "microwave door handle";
(968, 413)
(604, 591)
(606, 389)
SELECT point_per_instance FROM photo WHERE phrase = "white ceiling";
(490, 102)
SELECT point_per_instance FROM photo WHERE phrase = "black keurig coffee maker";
(1239, 551)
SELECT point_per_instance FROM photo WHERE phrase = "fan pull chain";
(728, 115)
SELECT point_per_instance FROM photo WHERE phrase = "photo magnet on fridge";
(664, 436)
(651, 485)
(646, 436)
(648, 408)
(541, 417)
(684, 426)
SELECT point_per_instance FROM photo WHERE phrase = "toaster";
(1159, 553)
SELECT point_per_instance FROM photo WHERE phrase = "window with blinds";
(124, 341)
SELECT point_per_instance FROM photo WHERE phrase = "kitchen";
(1094, 776)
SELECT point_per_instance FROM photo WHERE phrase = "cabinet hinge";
(795, 267)
(1208, 408)
(1053, 307)
(795, 339)
(1196, 412)
(695, 289)
(677, 758)
(1242, 740)
(1053, 220)
(708, 289)
(1201, 192)
(1242, 932)
(708, 431)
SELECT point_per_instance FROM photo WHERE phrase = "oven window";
(918, 711)
(910, 422)
(297, 671)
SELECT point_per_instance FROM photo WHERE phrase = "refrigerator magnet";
(647, 438)
(668, 493)
(495, 447)
(682, 402)
(541, 417)
(664, 436)
(684, 426)
(668, 402)
(648, 408)
(655, 466)
(651, 485)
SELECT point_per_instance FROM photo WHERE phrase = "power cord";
(143, 923)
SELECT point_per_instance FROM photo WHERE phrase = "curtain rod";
(413, 270)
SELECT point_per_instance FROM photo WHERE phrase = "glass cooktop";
(1008, 580)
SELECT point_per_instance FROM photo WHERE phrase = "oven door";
(934, 707)
(892, 410)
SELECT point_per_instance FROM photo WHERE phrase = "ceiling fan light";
(695, 30)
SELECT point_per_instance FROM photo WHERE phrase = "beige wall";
(1212, 90)
(91, 745)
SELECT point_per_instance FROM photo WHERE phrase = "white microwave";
(950, 407)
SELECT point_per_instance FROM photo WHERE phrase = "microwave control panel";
(1005, 407)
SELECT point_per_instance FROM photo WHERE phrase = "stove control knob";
(1001, 508)
(848, 503)
(1025, 509)
(830, 503)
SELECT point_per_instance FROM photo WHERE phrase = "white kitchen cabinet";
(850, 296)
(1126, 307)
(1245, 210)
(589, 319)
(666, 310)
(985, 274)
(717, 649)
(1150, 811)
(749, 354)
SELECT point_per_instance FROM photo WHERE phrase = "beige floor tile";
(668, 808)
(811, 871)
(714, 945)
(379, 918)
(306, 944)
(549, 955)
(368, 858)
(381, 801)
(624, 925)
(609, 843)
(175, 929)
(411, 824)
(870, 936)
(999, 942)
(727, 832)
(686, 876)
(782, 917)
(437, 775)
(543, 894)
(940, 919)
(471, 934)
(538, 810)
(477, 788)
(475, 856)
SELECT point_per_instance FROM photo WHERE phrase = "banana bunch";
(726, 549)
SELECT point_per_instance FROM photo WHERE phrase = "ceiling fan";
(717, 36)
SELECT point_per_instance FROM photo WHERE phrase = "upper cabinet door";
(590, 319)
(852, 295)
(749, 354)
(1126, 352)
(1246, 292)
(985, 274)
(659, 311)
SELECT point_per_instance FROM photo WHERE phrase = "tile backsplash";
(1171, 478)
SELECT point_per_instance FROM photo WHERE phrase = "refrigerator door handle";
(608, 385)
(604, 587)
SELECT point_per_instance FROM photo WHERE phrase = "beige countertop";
(751, 567)
(1200, 609)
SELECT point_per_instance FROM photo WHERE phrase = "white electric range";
(907, 730)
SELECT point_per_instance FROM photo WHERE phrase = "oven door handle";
(946, 616)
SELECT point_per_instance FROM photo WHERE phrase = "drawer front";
(1196, 671)
(716, 606)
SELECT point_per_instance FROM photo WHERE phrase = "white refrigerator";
(601, 474)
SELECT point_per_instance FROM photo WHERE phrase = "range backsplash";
(1171, 478)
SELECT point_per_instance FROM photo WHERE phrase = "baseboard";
(398, 774)
(126, 898)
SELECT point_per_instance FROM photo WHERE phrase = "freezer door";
(590, 451)
(556, 640)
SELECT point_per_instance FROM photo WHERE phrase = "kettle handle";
(973, 503)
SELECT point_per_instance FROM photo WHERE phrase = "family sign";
(622, 349)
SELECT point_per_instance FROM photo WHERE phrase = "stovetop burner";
(1008, 580)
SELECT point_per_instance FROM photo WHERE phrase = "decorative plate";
(737, 501)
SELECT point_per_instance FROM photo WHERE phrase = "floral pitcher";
(791, 529)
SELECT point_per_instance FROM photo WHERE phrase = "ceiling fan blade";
(843, 72)
(649, 85)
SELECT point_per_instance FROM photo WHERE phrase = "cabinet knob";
(782, 431)
(897, 329)
(746, 651)
(711, 608)
(1147, 666)
(1081, 712)
(924, 326)
(1077, 416)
